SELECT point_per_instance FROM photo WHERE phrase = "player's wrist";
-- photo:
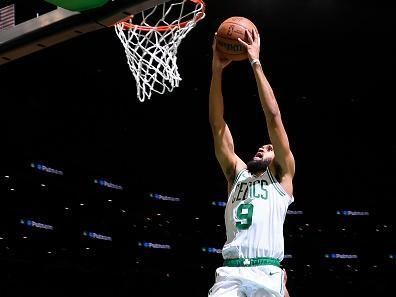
(217, 67)
(254, 62)
(217, 71)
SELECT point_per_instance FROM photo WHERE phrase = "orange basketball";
(227, 37)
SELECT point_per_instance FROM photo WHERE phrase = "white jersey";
(254, 217)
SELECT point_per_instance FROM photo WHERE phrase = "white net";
(151, 40)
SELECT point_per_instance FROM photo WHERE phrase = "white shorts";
(255, 281)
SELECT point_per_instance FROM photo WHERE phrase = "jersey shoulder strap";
(243, 174)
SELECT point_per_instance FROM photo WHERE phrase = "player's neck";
(259, 173)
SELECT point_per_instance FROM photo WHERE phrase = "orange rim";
(197, 18)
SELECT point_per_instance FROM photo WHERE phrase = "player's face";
(265, 153)
(261, 159)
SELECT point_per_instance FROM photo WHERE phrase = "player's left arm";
(284, 283)
(284, 165)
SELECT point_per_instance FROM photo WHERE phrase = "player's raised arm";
(284, 165)
(223, 143)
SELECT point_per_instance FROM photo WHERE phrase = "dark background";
(73, 107)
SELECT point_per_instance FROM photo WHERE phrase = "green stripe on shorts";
(248, 262)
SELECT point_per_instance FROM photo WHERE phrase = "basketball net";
(152, 40)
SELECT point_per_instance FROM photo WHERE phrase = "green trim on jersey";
(274, 182)
(238, 176)
(248, 262)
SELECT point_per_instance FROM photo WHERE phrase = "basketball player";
(260, 192)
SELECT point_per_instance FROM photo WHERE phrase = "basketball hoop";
(152, 40)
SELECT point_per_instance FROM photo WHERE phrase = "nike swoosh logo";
(272, 273)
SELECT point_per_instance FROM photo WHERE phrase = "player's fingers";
(214, 40)
(254, 35)
(243, 43)
(249, 36)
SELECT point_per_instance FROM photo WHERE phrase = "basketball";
(228, 33)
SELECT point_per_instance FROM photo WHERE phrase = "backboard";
(58, 24)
